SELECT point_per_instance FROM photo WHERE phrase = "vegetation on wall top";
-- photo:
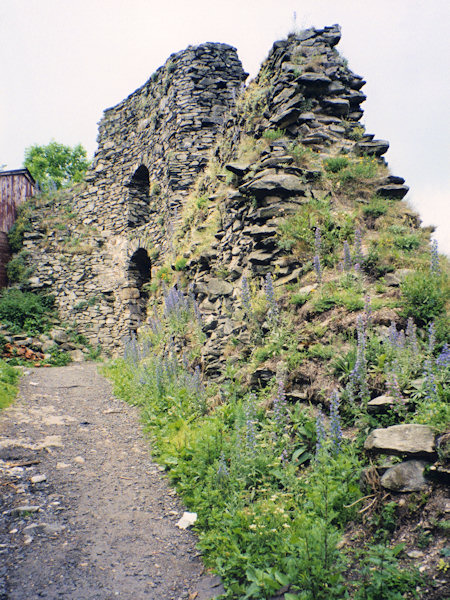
(56, 165)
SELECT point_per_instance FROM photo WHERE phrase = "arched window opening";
(140, 267)
(138, 197)
(139, 273)
(141, 177)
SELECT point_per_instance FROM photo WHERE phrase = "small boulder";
(76, 355)
(129, 293)
(59, 336)
(286, 118)
(307, 289)
(261, 376)
(260, 258)
(187, 520)
(285, 185)
(372, 148)
(337, 106)
(380, 404)
(47, 346)
(238, 168)
(391, 280)
(405, 477)
(443, 448)
(411, 439)
(219, 287)
(394, 191)
(314, 81)
(38, 478)
(392, 179)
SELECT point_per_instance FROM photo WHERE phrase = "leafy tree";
(56, 165)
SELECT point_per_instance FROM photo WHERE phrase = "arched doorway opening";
(138, 197)
(139, 273)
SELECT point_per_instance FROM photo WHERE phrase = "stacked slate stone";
(151, 148)
(169, 126)
(314, 97)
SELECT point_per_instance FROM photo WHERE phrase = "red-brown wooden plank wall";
(15, 188)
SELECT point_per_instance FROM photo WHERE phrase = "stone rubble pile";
(319, 109)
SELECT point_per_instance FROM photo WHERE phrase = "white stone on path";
(187, 520)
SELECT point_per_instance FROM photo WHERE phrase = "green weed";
(424, 296)
(25, 311)
(8, 384)
(381, 577)
(273, 134)
(335, 164)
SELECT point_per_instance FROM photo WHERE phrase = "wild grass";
(8, 384)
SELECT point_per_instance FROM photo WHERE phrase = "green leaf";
(298, 452)
(398, 549)
(282, 578)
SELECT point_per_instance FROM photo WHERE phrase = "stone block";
(410, 440)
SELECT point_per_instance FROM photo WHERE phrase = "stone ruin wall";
(306, 89)
(152, 147)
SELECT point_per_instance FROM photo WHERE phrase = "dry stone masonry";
(152, 148)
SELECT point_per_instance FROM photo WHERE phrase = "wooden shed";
(15, 187)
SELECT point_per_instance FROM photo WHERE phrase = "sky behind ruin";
(65, 61)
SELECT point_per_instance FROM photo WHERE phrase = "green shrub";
(424, 296)
(17, 270)
(322, 351)
(24, 311)
(180, 264)
(21, 225)
(356, 133)
(155, 189)
(324, 303)
(345, 298)
(154, 254)
(376, 208)
(374, 265)
(58, 357)
(303, 155)
(273, 134)
(343, 364)
(56, 164)
(299, 299)
(382, 578)
(297, 232)
(335, 164)
(359, 170)
(202, 202)
(407, 242)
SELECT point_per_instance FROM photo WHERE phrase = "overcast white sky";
(64, 61)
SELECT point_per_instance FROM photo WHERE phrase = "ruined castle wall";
(168, 125)
(151, 148)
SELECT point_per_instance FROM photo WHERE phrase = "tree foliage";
(56, 165)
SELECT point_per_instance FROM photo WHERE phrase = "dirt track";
(102, 522)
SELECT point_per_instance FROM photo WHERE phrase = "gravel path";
(85, 513)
